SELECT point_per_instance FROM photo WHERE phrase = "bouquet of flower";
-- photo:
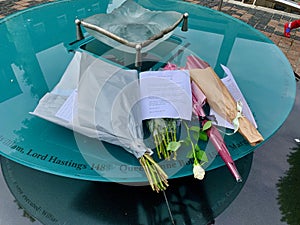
(103, 107)
(164, 132)
(221, 101)
(213, 133)
(193, 136)
(207, 130)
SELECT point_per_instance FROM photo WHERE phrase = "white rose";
(199, 172)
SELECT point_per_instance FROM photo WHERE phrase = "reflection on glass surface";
(288, 188)
(11, 212)
(270, 193)
(58, 200)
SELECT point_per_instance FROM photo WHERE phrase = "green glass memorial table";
(35, 52)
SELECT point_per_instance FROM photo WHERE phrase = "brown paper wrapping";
(222, 102)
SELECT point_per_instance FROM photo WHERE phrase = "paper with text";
(166, 94)
(236, 93)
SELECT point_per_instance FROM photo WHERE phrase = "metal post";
(79, 34)
(185, 22)
(138, 56)
(220, 5)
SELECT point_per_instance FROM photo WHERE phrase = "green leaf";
(201, 155)
(197, 148)
(190, 154)
(204, 158)
(195, 136)
(207, 125)
(195, 129)
(173, 146)
(187, 141)
(203, 136)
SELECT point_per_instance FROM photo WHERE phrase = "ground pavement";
(268, 21)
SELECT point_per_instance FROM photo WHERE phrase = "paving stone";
(276, 17)
(269, 29)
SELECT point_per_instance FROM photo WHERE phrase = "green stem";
(174, 131)
(156, 145)
(153, 177)
(192, 144)
(157, 166)
(156, 176)
(167, 134)
(165, 146)
(159, 145)
(147, 172)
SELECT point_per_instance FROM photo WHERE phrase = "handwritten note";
(166, 94)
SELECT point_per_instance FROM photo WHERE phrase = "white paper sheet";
(166, 94)
(66, 111)
(236, 93)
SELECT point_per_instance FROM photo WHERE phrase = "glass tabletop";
(54, 199)
(35, 51)
(264, 196)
